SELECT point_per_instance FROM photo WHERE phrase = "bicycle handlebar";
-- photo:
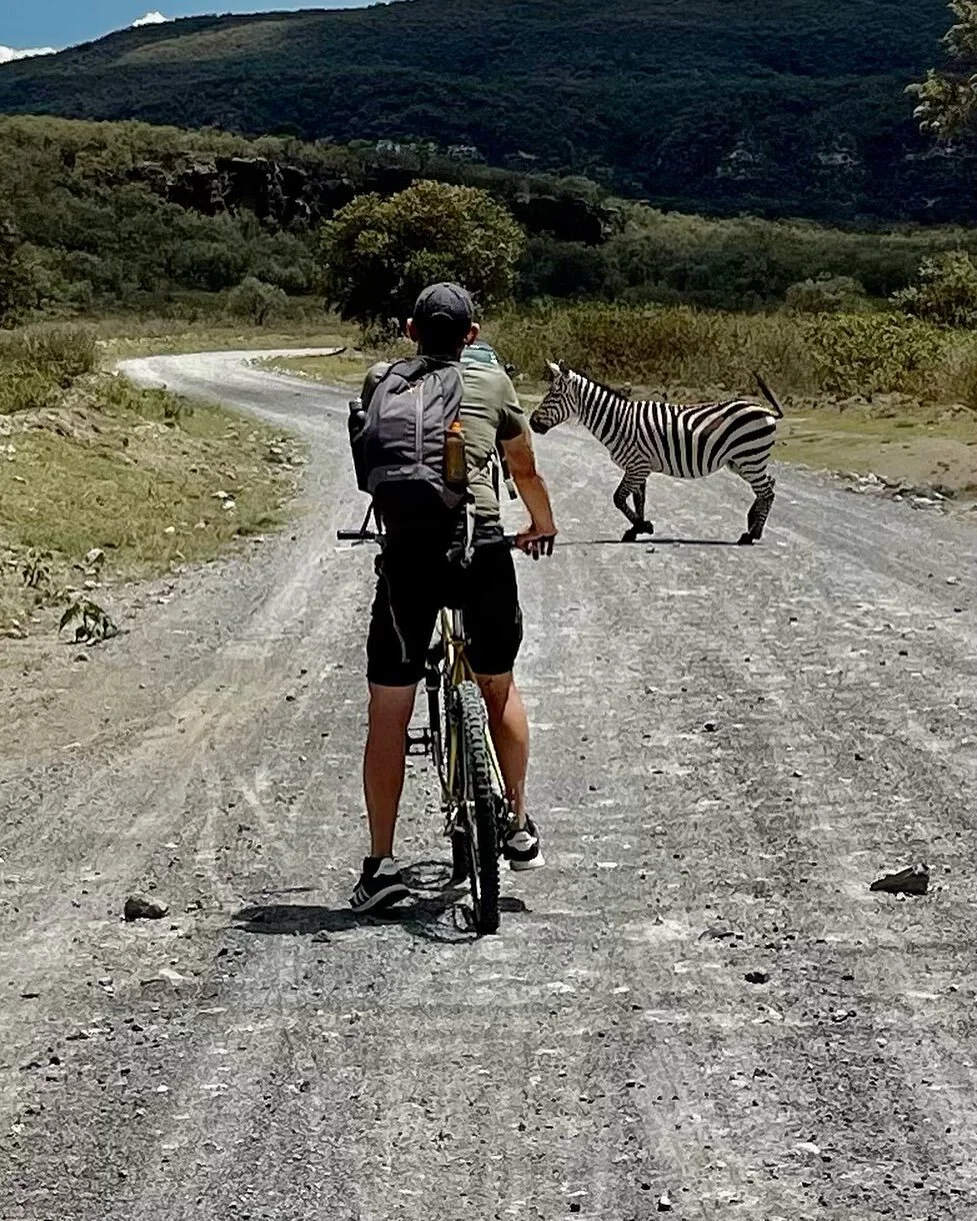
(374, 536)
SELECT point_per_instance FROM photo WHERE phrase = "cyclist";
(414, 572)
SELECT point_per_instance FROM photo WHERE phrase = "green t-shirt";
(490, 412)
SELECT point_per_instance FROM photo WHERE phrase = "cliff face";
(293, 196)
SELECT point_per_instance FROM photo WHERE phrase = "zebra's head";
(560, 401)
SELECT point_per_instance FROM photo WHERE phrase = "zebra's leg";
(763, 486)
(638, 496)
(756, 519)
(626, 489)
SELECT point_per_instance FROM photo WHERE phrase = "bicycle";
(456, 738)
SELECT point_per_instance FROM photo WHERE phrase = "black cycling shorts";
(412, 587)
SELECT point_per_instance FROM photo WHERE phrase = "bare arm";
(529, 483)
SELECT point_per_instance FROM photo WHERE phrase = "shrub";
(679, 348)
(254, 301)
(826, 295)
(868, 353)
(945, 290)
(25, 389)
(57, 353)
(18, 277)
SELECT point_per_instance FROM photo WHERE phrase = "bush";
(868, 353)
(208, 265)
(826, 295)
(254, 301)
(945, 291)
(18, 282)
(659, 347)
(57, 353)
(680, 348)
(23, 388)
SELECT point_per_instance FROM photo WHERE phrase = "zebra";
(652, 437)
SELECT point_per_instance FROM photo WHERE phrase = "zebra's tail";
(769, 395)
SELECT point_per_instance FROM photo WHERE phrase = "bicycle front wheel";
(482, 826)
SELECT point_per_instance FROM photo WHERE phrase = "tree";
(18, 287)
(254, 301)
(945, 291)
(377, 254)
(947, 103)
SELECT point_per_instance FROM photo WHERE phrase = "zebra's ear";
(553, 371)
(564, 367)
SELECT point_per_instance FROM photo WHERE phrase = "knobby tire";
(482, 829)
(439, 699)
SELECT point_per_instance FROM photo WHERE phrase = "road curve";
(730, 745)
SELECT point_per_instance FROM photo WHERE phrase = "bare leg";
(509, 727)
(383, 762)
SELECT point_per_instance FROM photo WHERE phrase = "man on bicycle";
(414, 573)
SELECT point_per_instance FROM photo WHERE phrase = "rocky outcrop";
(287, 195)
(272, 191)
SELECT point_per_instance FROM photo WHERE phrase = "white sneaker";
(521, 847)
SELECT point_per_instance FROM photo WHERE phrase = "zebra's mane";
(680, 407)
(602, 386)
(612, 390)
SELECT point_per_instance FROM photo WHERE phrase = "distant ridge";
(777, 107)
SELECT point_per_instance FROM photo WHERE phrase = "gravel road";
(730, 745)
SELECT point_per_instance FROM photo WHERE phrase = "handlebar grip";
(358, 536)
(544, 545)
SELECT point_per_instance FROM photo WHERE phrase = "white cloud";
(9, 53)
(153, 18)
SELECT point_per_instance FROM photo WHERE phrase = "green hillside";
(130, 215)
(777, 107)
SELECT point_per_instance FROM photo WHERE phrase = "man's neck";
(439, 355)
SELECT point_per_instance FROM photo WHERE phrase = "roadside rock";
(913, 881)
(141, 907)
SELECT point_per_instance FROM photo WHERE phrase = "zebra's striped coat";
(652, 437)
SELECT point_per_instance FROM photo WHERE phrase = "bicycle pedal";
(419, 742)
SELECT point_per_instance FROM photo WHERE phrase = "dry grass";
(136, 474)
(347, 370)
(120, 337)
(894, 438)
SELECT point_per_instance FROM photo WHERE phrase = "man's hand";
(535, 541)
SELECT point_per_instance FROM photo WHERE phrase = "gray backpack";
(399, 452)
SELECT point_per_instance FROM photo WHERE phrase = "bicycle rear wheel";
(439, 702)
(481, 806)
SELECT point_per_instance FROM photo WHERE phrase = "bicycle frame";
(454, 670)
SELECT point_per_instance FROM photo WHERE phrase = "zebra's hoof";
(746, 540)
(630, 536)
(647, 528)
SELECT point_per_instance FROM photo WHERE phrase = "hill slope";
(773, 106)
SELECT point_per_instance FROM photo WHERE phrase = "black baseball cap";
(445, 307)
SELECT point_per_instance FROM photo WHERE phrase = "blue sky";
(59, 23)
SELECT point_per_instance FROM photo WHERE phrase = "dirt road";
(730, 745)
